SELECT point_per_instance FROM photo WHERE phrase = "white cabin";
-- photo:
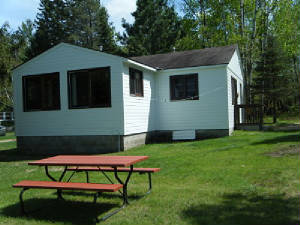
(71, 99)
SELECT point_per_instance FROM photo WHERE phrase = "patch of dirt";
(285, 151)
(7, 140)
(30, 170)
(287, 127)
(55, 169)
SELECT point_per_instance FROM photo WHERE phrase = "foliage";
(155, 29)
(80, 22)
(247, 23)
(89, 26)
(51, 26)
(13, 48)
(271, 80)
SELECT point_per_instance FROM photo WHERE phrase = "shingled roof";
(191, 58)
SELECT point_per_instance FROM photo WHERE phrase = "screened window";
(41, 92)
(184, 87)
(136, 82)
(89, 88)
(234, 94)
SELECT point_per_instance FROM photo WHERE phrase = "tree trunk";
(241, 19)
(274, 111)
(250, 55)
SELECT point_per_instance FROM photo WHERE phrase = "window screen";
(184, 87)
(89, 88)
(41, 92)
(136, 82)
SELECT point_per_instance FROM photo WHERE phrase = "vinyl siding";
(128, 114)
(139, 112)
(92, 121)
(209, 112)
(234, 70)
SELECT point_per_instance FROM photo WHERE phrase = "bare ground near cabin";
(285, 151)
(7, 140)
(287, 127)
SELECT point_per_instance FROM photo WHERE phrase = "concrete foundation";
(254, 127)
(97, 144)
(205, 134)
(91, 144)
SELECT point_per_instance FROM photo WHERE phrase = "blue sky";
(16, 11)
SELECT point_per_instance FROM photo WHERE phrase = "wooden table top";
(89, 160)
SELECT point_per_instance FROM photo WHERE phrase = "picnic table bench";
(87, 163)
(86, 169)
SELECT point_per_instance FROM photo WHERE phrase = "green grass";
(284, 119)
(229, 181)
(9, 135)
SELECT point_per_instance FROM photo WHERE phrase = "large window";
(89, 88)
(41, 92)
(184, 87)
(136, 82)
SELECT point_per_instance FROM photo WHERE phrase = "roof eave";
(196, 67)
(130, 61)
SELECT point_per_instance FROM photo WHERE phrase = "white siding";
(209, 112)
(96, 121)
(234, 70)
(139, 112)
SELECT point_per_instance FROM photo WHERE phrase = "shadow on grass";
(280, 139)
(242, 209)
(68, 211)
(12, 155)
(103, 195)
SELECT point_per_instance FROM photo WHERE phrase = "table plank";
(88, 160)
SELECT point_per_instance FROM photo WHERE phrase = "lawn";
(9, 135)
(250, 178)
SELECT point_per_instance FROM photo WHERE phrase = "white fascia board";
(234, 72)
(95, 51)
(194, 68)
(240, 60)
(71, 46)
(129, 61)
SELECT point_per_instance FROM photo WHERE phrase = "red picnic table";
(78, 161)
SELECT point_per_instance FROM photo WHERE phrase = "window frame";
(136, 94)
(24, 92)
(234, 91)
(185, 76)
(69, 73)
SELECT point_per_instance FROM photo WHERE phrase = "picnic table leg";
(59, 192)
(87, 176)
(125, 195)
(150, 183)
(48, 174)
(21, 200)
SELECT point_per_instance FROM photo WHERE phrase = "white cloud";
(118, 9)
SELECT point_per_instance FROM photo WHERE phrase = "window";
(184, 87)
(234, 94)
(41, 92)
(241, 94)
(89, 88)
(136, 82)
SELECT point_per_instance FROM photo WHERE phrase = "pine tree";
(270, 81)
(50, 25)
(89, 25)
(81, 22)
(155, 30)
